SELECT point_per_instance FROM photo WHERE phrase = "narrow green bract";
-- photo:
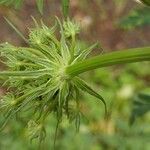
(37, 80)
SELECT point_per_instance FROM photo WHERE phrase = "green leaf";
(83, 86)
(65, 7)
(40, 5)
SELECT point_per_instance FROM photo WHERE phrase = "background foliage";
(136, 18)
(18, 3)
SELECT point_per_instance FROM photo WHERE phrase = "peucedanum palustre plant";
(37, 79)
(43, 77)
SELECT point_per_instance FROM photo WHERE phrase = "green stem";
(113, 58)
(65, 8)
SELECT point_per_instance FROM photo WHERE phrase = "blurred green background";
(116, 24)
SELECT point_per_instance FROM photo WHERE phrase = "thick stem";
(113, 58)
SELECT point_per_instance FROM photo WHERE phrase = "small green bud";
(71, 28)
(37, 37)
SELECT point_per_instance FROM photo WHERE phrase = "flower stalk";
(109, 59)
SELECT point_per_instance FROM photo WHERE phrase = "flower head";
(38, 79)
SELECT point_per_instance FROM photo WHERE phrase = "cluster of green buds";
(37, 80)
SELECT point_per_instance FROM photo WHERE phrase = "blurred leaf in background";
(136, 18)
(18, 3)
(141, 105)
(40, 3)
(14, 3)
(146, 2)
